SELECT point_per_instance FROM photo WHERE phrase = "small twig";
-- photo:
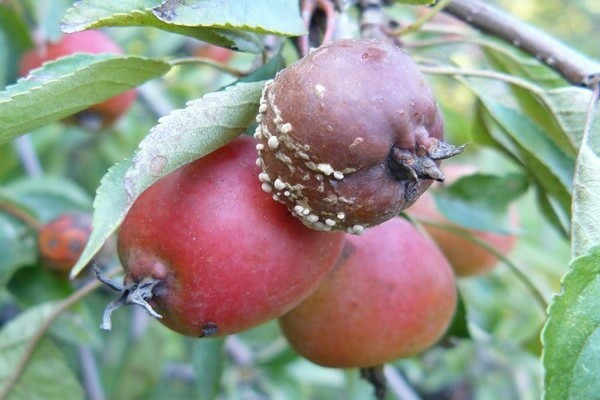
(21, 215)
(418, 24)
(63, 306)
(375, 376)
(572, 65)
(238, 350)
(398, 385)
(459, 231)
(27, 154)
(207, 61)
(513, 80)
(373, 21)
(91, 377)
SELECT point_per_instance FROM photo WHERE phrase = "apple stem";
(137, 293)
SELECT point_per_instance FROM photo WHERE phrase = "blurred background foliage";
(140, 359)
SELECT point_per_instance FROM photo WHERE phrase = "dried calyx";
(350, 136)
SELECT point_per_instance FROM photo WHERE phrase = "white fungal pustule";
(266, 187)
(262, 108)
(356, 229)
(260, 146)
(341, 216)
(338, 175)
(329, 222)
(285, 128)
(279, 184)
(319, 91)
(325, 168)
(258, 133)
(264, 177)
(299, 209)
(259, 162)
(273, 142)
(312, 218)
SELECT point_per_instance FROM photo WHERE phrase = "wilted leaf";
(571, 337)
(91, 14)
(47, 374)
(68, 85)
(280, 17)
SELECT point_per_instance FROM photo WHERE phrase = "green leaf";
(188, 134)
(208, 361)
(47, 374)
(569, 106)
(481, 201)
(265, 72)
(14, 41)
(109, 211)
(571, 336)
(459, 327)
(17, 246)
(68, 85)
(586, 193)
(91, 14)
(49, 196)
(545, 162)
(512, 61)
(142, 365)
(416, 2)
(279, 17)
(180, 137)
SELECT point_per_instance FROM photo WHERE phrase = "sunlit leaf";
(586, 193)
(68, 85)
(91, 14)
(280, 17)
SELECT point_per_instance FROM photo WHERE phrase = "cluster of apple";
(347, 138)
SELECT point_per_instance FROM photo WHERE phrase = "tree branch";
(572, 65)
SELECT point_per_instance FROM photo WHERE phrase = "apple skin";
(226, 254)
(466, 257)
(391, 295)
(212, 52)
(94, 42)
(62, 240)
